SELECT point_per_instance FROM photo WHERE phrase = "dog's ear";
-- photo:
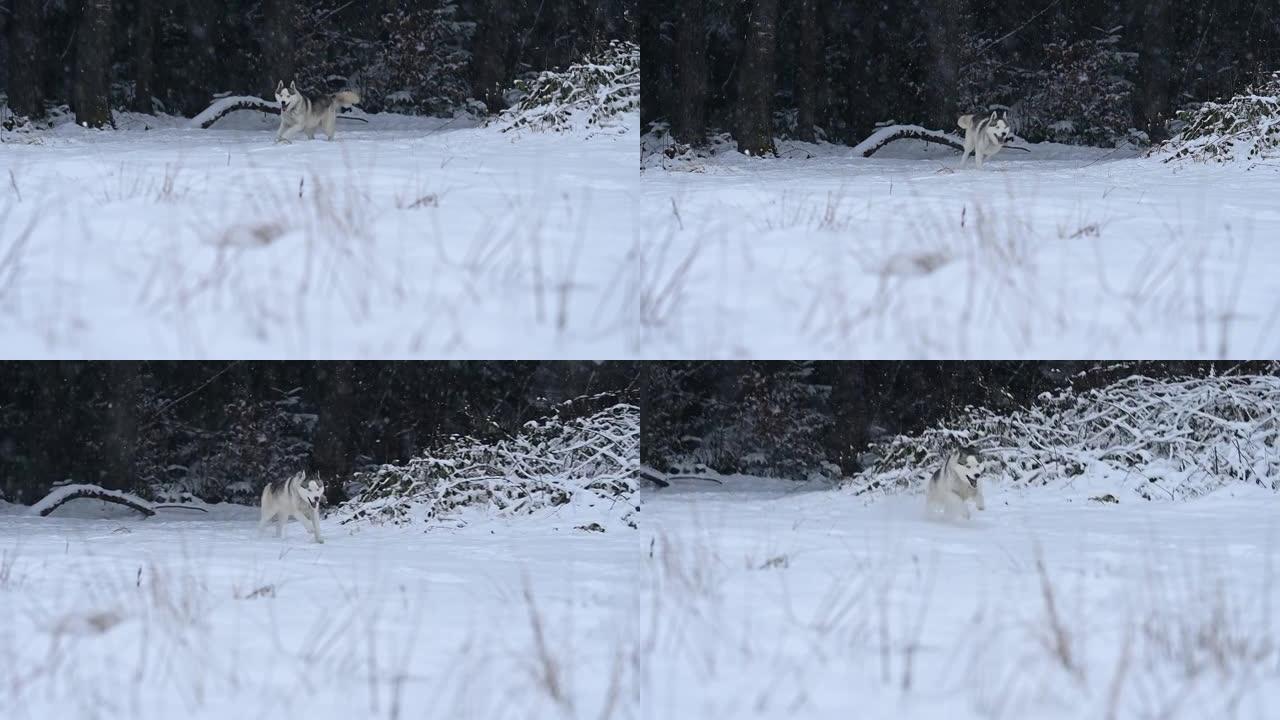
(280, 86)
(995, 115)
(294, 86)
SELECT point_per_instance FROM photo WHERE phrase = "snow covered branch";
(1245, 127)
(592, 461)
(890, 133)
(66, 493)
(227, 105)
(591, 94)
(1169, 439)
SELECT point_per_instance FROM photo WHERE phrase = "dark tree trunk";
(849, 434)
(1154, 68)
(690, 118)
(25, 96)
(808, 69)
(144, 67)
(944, 29)
(120, 436)
(92, 94)
(277, 49)
(332, 458)
(756, 80)
(489, 61)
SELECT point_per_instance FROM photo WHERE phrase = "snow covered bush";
(591, 462)
(1246, 127)
(1171, 439)
(592, 94)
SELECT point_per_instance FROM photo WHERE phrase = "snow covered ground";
(1061, 252)
(801, 604)
(406, 237)
(748, 600)
(184, 614)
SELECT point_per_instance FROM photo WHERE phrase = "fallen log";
(227, 105)
(890, 133)
(66, 493)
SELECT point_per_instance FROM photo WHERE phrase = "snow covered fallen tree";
(1246, 127)
(885, 135)
(590, 463)
(1141, 437)
(66, 493)
(594, 94)
(890, 133)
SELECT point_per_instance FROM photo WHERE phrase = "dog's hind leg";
(331, 126)
(262, 522)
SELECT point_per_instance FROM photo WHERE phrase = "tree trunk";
(1154, 69)
(331, 457)
(756, 80)
(120, 437)
(25, 96)
(92, 95)
(689, 124)
(943, 29)
(277, 50)
(849, 434)
(808, 69)
(488, 63)
(144, 66)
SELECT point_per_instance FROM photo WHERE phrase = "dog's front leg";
(977, 499)
(286, 136)
(315, 524)
(956, 506)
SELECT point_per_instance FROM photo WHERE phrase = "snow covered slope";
(1062, 252)
(406, 237)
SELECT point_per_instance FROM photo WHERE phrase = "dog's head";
(999, 129)
(311, 490)
(285, 95)
(968, 462)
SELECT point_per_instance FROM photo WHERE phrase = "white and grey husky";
(954, 483)
(984, 137)
(299, 113)
(297, 497)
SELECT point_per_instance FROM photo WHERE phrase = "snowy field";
(777, 603)
(406, 237)
(750, 600)
(1061, 252)
(192, 615)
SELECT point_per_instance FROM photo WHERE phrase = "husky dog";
(984, 137)
(954, 483)
(299, 113)
(297, 497)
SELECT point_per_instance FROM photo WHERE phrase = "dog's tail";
(347, 98)
(965, 122)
